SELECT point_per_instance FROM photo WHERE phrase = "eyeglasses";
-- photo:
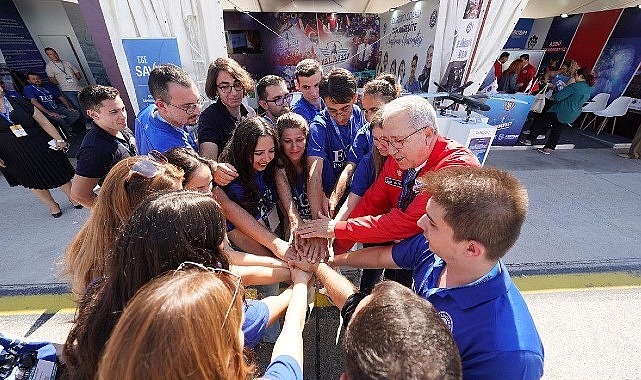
(149, 167)
(184, 265)
(398, 144)
(191, 107)
(227, 88)
(280, 100)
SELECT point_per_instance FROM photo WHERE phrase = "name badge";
(69, 79)
(18, 130)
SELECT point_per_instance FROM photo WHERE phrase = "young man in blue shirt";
(164, 124)
(48, 99)
(472, 219)
(307, 77)
(331, 134)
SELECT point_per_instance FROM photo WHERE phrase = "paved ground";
(584, 217)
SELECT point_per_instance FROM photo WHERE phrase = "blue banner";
(18, 48)
(558, 40)
(143, 54)
(519, 36)
(508, 113)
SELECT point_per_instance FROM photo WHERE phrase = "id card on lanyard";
(17, 129)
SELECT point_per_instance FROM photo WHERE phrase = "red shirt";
(376, 219)
(525, 76)
(498, 69)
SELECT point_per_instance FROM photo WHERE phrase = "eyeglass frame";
(285, 99)
(147, 163)
(345, 110)
(216, 270)
(191, 107)
(237, 85)
(398, 144)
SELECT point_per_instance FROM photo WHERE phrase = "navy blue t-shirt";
(299, 194)
(363, 176)
(100, 151)
(268, 198)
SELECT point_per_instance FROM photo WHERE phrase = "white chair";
(618, 107)
(598, 103)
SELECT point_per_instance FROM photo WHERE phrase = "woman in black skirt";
(25, 156)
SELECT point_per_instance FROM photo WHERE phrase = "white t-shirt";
(64, 72)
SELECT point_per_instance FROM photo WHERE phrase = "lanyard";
(61, 68)
(338, 131)
(7, 113)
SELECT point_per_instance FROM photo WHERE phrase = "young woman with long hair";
(508, 80)
(186, 324)
(166, 230)
(127, 184)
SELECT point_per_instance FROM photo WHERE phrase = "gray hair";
(418, 109)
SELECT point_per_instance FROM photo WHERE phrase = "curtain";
(196, 24)
(500, 18)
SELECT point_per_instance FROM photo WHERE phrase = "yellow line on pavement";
(20, 305)
(542, 283)
(65, 303)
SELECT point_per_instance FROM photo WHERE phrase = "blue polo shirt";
(332, 147)
(490, 322)
(283, 367)
(255, 323)
(267, 201)
(306, 109)
(363, 176)
(153, 132)
(362, 144)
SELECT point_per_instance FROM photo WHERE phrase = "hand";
(303, 265)
(224, 173)
(322, 227)
(56, 115)
(331, 205)
(61, 145)
(316, 249)
(285, 251)
(300, 276)
(2, 163)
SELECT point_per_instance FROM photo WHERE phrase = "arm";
(42, 108)
(315, 185)
(257, 275)
(250, 226)
(286, 200)
(247, 259)
(209, 150)
(223, 173)
(65, 101)
(372, 257)
(338, 287)
(340, 187)
(82, 190)
(277, 305)
(54, 80)
(290, 340)
(348, 207)
(48, 127)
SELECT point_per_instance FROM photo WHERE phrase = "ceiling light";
(564, 15)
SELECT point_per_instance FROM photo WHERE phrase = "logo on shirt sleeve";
(394, 182)
(447, 319)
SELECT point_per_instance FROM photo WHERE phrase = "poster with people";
(347, 40)
(464, 41)
(558, 41)
(407, 44)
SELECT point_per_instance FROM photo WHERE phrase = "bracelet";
(60, 141)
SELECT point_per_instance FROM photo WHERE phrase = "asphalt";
(578, 261)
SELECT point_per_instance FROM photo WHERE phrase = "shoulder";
(283, 367)
(450, 153)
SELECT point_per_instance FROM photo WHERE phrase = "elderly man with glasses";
(390, 208)
(177, 104)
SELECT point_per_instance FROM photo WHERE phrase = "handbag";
(21, 358)
(539, 101)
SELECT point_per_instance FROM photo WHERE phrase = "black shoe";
(58, 214)
(78, 206)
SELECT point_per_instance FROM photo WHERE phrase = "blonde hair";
(173, 329)
(120, 193)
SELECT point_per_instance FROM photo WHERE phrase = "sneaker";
(540, 137)
(526, 142)
(545, 150)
